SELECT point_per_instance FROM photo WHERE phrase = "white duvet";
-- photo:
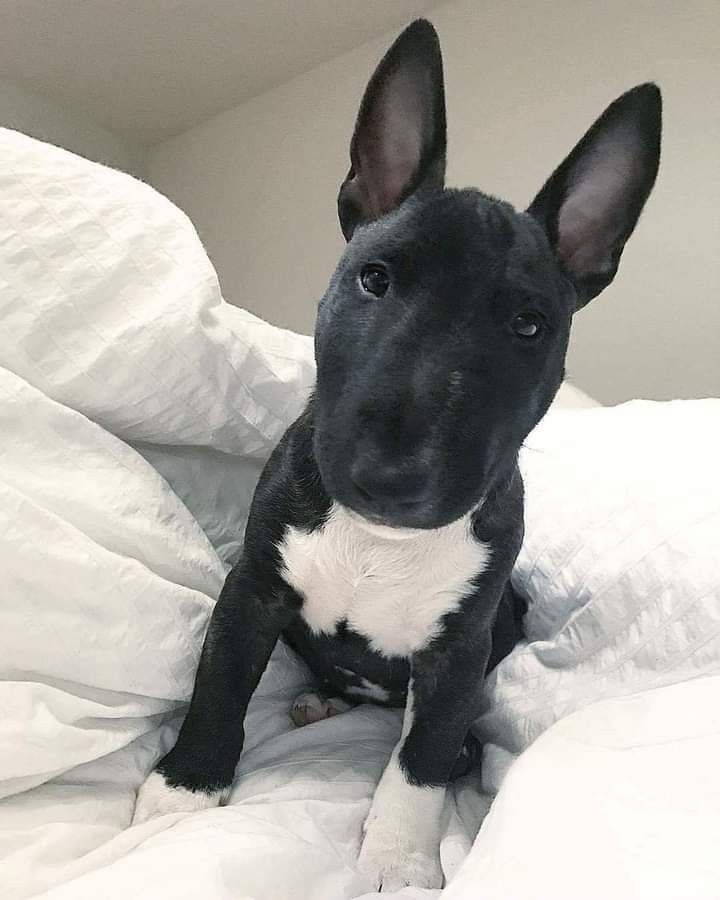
(136, 409)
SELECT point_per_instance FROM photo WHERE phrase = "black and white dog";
(386, 524)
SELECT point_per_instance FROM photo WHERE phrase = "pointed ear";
(399, 140)
(591, 203)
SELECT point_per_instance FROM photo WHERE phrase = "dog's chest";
(392, 590)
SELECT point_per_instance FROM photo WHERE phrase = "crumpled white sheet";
(621, 560)
(116, 349)
(619, 800)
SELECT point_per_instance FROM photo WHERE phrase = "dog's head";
(441, 340)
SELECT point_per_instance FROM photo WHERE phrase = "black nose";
(395, 482)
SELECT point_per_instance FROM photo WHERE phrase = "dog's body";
(371, 597)
(386, 524)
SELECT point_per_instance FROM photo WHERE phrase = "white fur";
(368, 689)
(391, 585)
(157, 798)
(365, 688)
(402, 830)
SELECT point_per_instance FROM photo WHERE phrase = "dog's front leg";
(401, 844)
(244, 628)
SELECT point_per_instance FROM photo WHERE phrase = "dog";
(385, 526)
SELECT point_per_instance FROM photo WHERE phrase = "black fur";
(440, 343)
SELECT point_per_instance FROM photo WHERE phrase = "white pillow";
(110, 305)
(620, 562)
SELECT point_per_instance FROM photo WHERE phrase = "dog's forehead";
(464, 232)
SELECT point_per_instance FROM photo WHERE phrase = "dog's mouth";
(382, 527)
(387, 499)
(390, 517)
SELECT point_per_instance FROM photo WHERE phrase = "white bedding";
(135, 411)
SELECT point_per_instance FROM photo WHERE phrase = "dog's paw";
(158, 798)
(392, 861)
(309, 708)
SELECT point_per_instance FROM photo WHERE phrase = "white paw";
(392, 860)
(309, 708)
(157, 798)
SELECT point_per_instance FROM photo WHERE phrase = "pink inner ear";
(591, 218)
(391, 149)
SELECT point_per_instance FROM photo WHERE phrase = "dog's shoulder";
(289, 494)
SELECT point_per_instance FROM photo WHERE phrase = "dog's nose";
(402, 482)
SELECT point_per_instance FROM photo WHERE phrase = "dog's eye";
(527, 325)
(374, 279)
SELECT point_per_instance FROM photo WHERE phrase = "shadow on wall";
(46, 120)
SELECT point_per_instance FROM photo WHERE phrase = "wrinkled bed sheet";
(136, 410)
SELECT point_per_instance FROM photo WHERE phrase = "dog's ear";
(399, 140)
(590, 205)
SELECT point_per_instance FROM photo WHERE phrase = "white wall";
(26, 111)
(524, 80)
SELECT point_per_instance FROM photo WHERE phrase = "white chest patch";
(391, 586)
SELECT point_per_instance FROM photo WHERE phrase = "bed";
(136, 411)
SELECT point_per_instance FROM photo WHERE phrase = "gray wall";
(24, 110)
(524, 80)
